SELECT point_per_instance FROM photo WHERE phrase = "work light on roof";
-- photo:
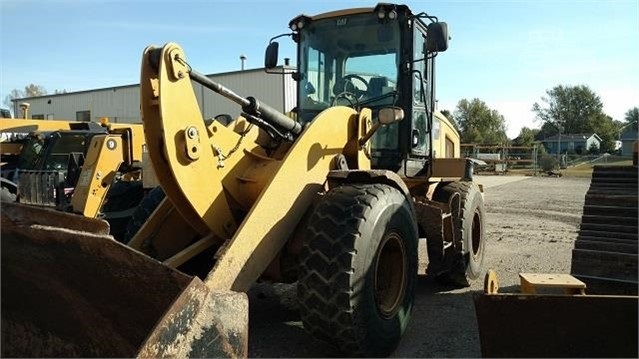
(298, 23)
(386, 12)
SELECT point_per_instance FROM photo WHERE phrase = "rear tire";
(471, 230)
(148, 204)
(358, 269)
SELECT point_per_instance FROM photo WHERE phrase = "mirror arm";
(362, 141)
(280, 35)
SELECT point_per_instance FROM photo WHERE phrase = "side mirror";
(388, 115)
(437, 37)
(270, 57)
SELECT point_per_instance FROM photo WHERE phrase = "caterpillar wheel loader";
(81, 167)
(335, 200)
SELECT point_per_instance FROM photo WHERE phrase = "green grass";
(585, 170)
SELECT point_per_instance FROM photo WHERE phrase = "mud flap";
(76, 292)
(555, 326)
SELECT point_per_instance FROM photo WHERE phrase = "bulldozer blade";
(557, 326)
(76, 292)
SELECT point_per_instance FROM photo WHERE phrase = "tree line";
(30, 90)
(565, 109)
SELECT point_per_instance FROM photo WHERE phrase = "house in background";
(627, 138)
(578, 143)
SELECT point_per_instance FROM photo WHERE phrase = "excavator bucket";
(76, 292)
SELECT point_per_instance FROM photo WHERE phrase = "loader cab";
(49, 166)
(50, 150)
(375, 58)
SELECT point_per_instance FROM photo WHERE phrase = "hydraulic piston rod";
(250, 105)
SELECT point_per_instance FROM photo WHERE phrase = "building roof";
(572, 137)
(259, 69)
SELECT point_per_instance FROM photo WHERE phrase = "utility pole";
(559, 145)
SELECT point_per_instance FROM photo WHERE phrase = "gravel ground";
(532, 223)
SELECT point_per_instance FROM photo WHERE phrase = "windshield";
(31, 152)
(348, 61)
(63, 146)
(34, 155)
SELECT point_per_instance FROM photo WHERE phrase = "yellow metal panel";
(195, 185)
(137, 137)
(102, 161)
(26, 126)
(345, 12)
(164, 234)
(446, 130)
(530, 282)
(283, 202)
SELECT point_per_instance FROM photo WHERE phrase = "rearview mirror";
(437, 37)
(389, 115)
(270, 57)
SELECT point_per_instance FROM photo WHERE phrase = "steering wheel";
(346, 89)
(357, 91)
(348, 96)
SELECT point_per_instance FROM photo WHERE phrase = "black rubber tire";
(348, 230)
(472, 231)
(122, 196)
(148, 204)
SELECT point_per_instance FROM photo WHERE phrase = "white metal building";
(122, 103)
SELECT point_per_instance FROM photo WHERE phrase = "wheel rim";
(476, 233)
(390, 275)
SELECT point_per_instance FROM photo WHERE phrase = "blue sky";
(506, 53)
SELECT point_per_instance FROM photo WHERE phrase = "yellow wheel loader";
(335, 200)
(81, 167)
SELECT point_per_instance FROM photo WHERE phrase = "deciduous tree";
(526, 137)
(632, 117)
(573, 110)
(30, 90)
(480, 124)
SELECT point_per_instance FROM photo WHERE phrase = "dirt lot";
(532, 223)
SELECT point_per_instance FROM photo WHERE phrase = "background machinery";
(82, 167)
(335, 200)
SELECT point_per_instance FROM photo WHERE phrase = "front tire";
(358, 269)
(471, 230)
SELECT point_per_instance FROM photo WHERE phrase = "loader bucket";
(557, 326)
(76, 292)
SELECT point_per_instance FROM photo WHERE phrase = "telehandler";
(335, 200)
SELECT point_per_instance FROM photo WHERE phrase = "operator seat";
(376, 86)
